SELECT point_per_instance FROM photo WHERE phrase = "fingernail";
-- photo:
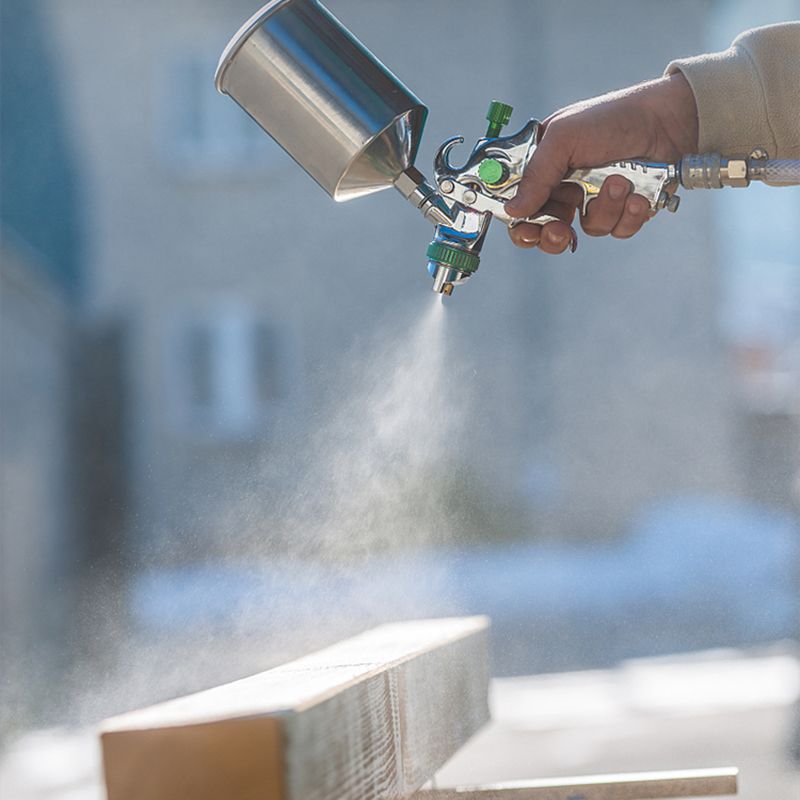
(638, 205)
(555, 238)
(530, 234)
(615, 190)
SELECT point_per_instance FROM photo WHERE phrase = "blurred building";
(182, 306)
(223, 287)
(601, 380)
(39, 283)
(35, 455)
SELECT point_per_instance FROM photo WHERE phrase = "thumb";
(543, 173)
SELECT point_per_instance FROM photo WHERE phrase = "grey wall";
(599, 379)
(35, 469)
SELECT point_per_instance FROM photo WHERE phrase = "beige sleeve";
(749, 95)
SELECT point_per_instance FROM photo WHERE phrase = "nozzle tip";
(447, 289)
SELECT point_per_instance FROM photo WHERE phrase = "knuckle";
(637, 206)
(595, 231)
(624, 233)
(602, 208)
(555, 125)
(560, 210)
(615, 190)
(595, 226)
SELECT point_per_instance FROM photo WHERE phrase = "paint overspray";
(341, 548)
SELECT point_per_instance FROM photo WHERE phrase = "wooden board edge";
(713, 782)
(204, 761)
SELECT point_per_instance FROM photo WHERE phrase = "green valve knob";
(498, 115)
(492, 172)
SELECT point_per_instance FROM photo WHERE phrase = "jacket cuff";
(731, 107)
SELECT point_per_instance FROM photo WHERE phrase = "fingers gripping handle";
(657, 182)
(654, 181)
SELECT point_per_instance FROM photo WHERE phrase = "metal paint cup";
(324, 98)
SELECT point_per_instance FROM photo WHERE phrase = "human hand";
(656, 121)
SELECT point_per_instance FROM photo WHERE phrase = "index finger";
(543, 173)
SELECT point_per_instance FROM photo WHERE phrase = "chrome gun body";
(470, 195)
(477, 191)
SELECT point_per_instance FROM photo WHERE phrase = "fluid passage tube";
(454, 254)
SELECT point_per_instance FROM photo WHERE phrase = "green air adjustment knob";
(498, 115)
(454, 257)
(492, 172)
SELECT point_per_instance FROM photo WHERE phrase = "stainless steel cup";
(323, 97)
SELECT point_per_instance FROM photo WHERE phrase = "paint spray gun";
(355, 128)
(478, 191)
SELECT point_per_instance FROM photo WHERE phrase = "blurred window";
(207, 130)
(200, 343)
(227, 373)
(267, 363)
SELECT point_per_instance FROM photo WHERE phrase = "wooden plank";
(371, 718)
(628, 786)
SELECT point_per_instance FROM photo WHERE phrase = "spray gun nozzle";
(454, 253)
(445, 278)
(450, 265)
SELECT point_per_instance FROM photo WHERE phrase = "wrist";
(674, 106)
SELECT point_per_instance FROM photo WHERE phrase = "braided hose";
(712, 171)
(782, 172)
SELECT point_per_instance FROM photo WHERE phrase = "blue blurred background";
(182, 307)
